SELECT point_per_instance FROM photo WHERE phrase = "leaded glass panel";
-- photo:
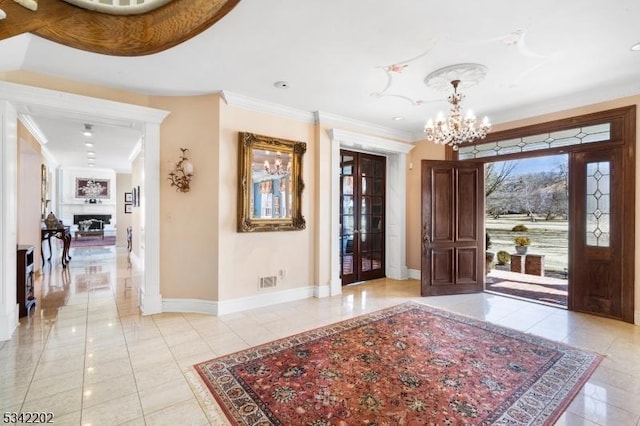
(569, 137)
(598, 190)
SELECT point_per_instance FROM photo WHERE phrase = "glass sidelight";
(362, 198)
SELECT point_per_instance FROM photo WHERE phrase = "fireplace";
(99, 220)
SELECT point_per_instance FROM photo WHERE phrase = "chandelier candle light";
(180, 176)
(277, 168)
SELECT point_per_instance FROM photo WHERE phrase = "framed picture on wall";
(128, 197)
(93, 188)
(128, 208)
(138, 196)
(134, 196)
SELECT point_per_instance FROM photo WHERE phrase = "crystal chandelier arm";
(455, 130)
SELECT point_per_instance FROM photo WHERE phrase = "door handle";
(426, 241)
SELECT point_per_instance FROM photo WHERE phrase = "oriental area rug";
(406, 365)
(93, 241)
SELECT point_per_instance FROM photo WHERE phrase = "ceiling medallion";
(468, 74)
(454, 129)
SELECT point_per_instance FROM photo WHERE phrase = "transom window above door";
(556, 139)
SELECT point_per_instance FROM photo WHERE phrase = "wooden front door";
(453, 228)
(598, 235)
(362, 209)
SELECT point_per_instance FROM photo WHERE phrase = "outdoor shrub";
(503, 257)
(519, 228)
(522, 241)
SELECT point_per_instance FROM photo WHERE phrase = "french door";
(362, 221)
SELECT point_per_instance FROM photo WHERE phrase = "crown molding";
(33, 128)
(333, 120)
(370, 143)
(253, 104)
(317, 117)
(24, 96)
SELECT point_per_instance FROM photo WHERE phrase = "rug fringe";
(206, 400)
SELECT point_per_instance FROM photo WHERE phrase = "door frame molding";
(357, 196)
(19, 98)
(395, 202)
(623, 135)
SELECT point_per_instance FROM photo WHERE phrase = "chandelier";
(455, 130)
(92, 190)
(277, 169)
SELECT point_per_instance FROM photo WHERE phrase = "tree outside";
(533, 193)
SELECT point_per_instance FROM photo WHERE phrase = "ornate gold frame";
(248, 145)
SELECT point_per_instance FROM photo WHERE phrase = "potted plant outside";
(489, 254)
(522, 244)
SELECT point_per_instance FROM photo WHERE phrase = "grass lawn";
(549, 238)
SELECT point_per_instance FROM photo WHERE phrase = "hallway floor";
(87, 355)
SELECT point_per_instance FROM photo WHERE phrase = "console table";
(63, 234)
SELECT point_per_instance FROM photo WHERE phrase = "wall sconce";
(180, 176)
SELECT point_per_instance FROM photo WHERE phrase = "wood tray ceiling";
(132, 35)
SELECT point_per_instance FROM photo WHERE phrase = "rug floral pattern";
(406, 365)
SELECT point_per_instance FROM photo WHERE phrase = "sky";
(539, 164)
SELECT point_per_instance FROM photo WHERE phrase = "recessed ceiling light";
(91, 165)
(281, 84)
(397, 118)
(87, 130)
(88, 144)
(636, 47)
(90, 153)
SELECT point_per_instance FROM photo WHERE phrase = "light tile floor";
(89, 357)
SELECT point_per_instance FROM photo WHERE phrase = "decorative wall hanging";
(269, 183)
(93, 189)
(181, 172)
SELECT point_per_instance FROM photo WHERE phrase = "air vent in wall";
(268, 282)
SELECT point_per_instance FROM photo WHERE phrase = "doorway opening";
(527, 228)
(362, 216)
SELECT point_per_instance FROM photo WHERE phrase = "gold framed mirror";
(269, 183)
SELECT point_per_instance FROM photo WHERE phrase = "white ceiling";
(541, 56)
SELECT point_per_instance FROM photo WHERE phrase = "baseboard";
(9, 323)
(224, 307)
(415, 274)
(262, 300)
(199, 306)
(322, 291)
(149, 304)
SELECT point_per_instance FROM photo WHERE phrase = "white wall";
(123, 184)
(68, 205)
